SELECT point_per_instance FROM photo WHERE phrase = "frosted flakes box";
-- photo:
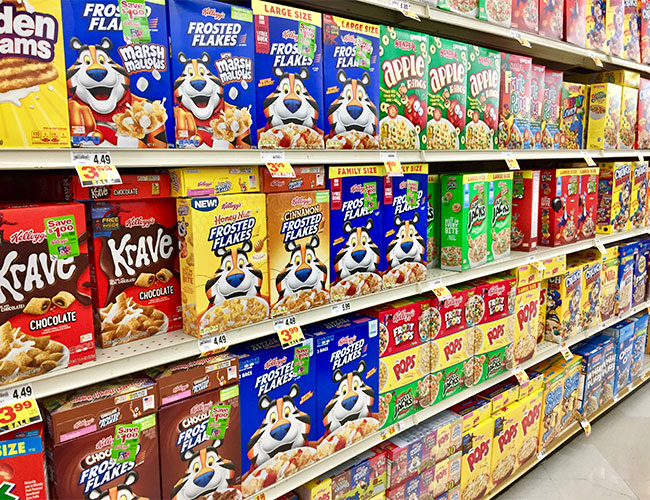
(551, 106)
(465, 7)
(223, 261)
(551, 19)
(212, 52)
(627, 132)
(563, 305)
(573, 116)
(483, 84)
(575, 22)
(614, 197)
(355, 231)
(119, 90)
(288, 77)
(631, 28)
(515, 97)
(596, 37)
(476, 461)
(533, 132)
(525, 210)
(604, 116)
(213, 181)
(638, 195)
(643, 115)
(433, 221)
(495, 11)
(525, 15)
(614, 21)
(404, 60)
(558, 205)
(499, 215)
(447, 93)
(299, 251)
(351, 83)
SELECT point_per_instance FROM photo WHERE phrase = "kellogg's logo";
(290, 35)
(356, 188)
(301, 201)
(140, 221)
(200, 408)
(275, 362)
(214, 13)
(403, 315)
(231, 205)
(347, 340)
(27, 235)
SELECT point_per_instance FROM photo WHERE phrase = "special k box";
(119, 88)
(212, 53)
(45, 313)
(33, 109)
(289, 76)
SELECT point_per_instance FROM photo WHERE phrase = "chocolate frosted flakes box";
(351, 83)
(32, 92)
(212, 52)
(483, 84)
(289, 77)
(119, 93)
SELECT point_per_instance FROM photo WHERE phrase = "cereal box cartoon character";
(551, 104)
(212, 53)
(573, 122)
(118, 91)
(122, 490)
(595, 27)
(643, 9)
(514, 104)
(351, 83)
(289, 77)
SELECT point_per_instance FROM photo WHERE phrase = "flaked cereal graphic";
(125, 320)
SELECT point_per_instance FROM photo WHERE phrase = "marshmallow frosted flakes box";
(289, 77)
(212, 52)
(119, 90)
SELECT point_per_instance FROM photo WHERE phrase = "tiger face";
(359, 255)
(206, 472)
(95, 78)
(353, 109)
(290, 102)
(197, 89)
(353, 399)
(236, 276)
(120, 492)
(408, 245)
(304, 270)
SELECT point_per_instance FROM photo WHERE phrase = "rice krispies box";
(638, 203)
(22, 463)
(483, 84)
(573, 117)
(604, 116)
(223, 261)
(499, 215)
(212, 53)
(514, 103)
(575, 22)
(614, 197)
(558, 204)
(299, 250)
(356, 231)
(525, 209)
(596, 37)
(351, 83)
(119, 92)
(551, 19)
(288, 77)
(533, 132)
(551, 106)
(404, 59)
(476, 462)
(447, 93)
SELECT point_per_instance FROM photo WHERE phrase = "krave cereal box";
(212, 52)
(483, 84)
(351, 83)
(289, 77)
(514, 103)
(119, 91)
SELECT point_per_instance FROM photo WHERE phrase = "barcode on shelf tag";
(24, 391)
(289, 331)
(519, 37)
(566, 352)
(510, 160)
(541, 455)
(214, 344)
(590, 161)
(521, 375)
(81, 158)
(341, 308)
(586, 426)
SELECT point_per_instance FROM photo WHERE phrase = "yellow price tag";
(289, 331)
(566, 353)
(598, 63)
(98, 175)
(393, 168)
(511, 161)
(215, 344)
(522, 41)
(442, 292)
(586, 426)
(260, 496)
(280, 169)
(389, 432)
(19, 414)
(521, 375)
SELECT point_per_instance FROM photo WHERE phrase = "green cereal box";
(447, 93)
(495, 11)
(404, 60)
(464, 221)
(404, 401)
(433, 221)
(483, 84)
(499, 215)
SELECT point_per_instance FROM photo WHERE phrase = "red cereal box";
(514, 106)
(525, 206)
(614, 18)
(551, 18)
(525, 15)
(495, 293)
(399, 326)
(533, 132)
(643, 116)
(644, 29)
(450, 317)
(558, 204)
(306, 179)
(21, 464)
(551, 103)
(631, 43)
(588, 203)
(575, 22)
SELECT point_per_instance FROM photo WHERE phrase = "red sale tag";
(280, 169)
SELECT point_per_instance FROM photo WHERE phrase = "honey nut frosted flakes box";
(614, 22)
(299, 250)
(614, 197)
(476, 462)
(526, 322)
(638, 195)
(288, 77)
(447, 93)
(533, 132)
(604, 116)
(433, 221)
(224, 262)
(631, 27)
(499, 215)
(627, 132)
(355, 231)
(213, 181)
(404, 226)
(495, 11)
(596, 37)
(504, 443)
(528, 426)
(551, 106)
(515, 97)
(587, 202)
(558, 205)
(551, 19)
(351, 83)
(33, 108)
(525, 15)
(573, 118)
(466, 7)
(404, 60)
(525, 209)
(119, 90)
(575, 22)
(563, 305)
(643, 7)
(212, 53)
(643, 115)
(483, 84)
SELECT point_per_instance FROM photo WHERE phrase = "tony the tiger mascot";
(304, 270)
(352, 109)
(206, 472)
(359, 255)
(120, 492)
(408, 245)
(236, 276)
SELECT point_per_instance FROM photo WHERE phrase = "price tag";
(21, 392)
(566, 353)
(125, 443)
(341, 308)
(277, 164)
(289, 331)
(617, 398)
(442, 292)
(521, 375)
(214, 344)
(590, 161)
(405, 8)
(518, 36)
(98, 175)
(586, 426)
(640, 157)
(392, 165)
(390, 431)
(541, 455)
(260, 496)
(19, 414)
(511, 161)
(597, 61)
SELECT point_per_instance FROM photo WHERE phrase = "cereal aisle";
(374, 251)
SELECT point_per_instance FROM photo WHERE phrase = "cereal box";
(351, 83)
(402, 402)
(33, 108)
(623, 334)
(526, 322)
(595, 26)
(473, 411)
(22, 462)
(551, 106)
(452, 372)
(575, 22)
(483, 85)
(299, 253)
(448, 315)
(399, 326)
(625, 287)
(588, 202)
(525, 210)
(609, 284)
(551, 411)
(604, 116)
(627, 132)
(533, 131)
(608, 350)
(356, 227)
(288, 77)
(640, 336)
(495, 11)
(570, 386)
(223, 261)
(614, 22)
(573, 118)
(528, 426)
(494, 299)
(631, 26)
(558, 205)
(591, 293)
(404, 221)
(563, 305)
(466, 7)
(307, 179)
(213, 181)
(515, 96)
(591, 376)
(541, 313)
(404, 60)
(495, 354)
(643, 9)
(614, 197)
(464, 221)
(447, 93)
(499, 215)
(525, 15)
(403, 368)
(119, 86)
(551, 19)
(477, 452)
(279, 428)
(501, 395)
(638, 195)
(504, 443)
(640, 273)
(433, 221)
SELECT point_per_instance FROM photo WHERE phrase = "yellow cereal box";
(526, 322)
(620, 77)
(629, 102)
(494, 352)
(33, 103)
(223, 261)
(450, 363)
(535, 383)
(477, 454)
(214, 181)
(604, 116)
(403, 368)
(441, 477)
(528, 428)
(563, 301)
(504, 443)
(299, 250)
(590, 289)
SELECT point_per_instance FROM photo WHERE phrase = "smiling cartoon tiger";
(236, 277)
(120, 492)
(359, 255)
(408, 245)
(304, 271)
(353, 109)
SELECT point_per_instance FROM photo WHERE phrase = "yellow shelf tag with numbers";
(19, 414)
(289, 331)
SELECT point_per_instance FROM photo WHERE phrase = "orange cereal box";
(477, 455)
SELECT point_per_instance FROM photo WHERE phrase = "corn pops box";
(631, 27)
(643, 115)
(514, 104)
(433, 221)
(627, 132)
(447, 93)
(551, 20)
(477, 453)
(495, 11)
(533, 131)
(587, 202)
(288, 77)
(596, 36)
(551, 106)
(404, 59)
(119, 88)
(525, 15)
(528, 425)
(499, 215)
(483, 84)
(614, 197)
(563, 305)
(575, 22)
(526, 321)
(351, 83)
(644, 29)
(573, 116)
(604, 116)
(504, 443)
(614, 19)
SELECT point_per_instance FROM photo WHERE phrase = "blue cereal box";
(347, 380)
(212, 53)
(404, 222)
(289, 77)
(278, 401)
(119, 92)
(355, 231)
(351, 83)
